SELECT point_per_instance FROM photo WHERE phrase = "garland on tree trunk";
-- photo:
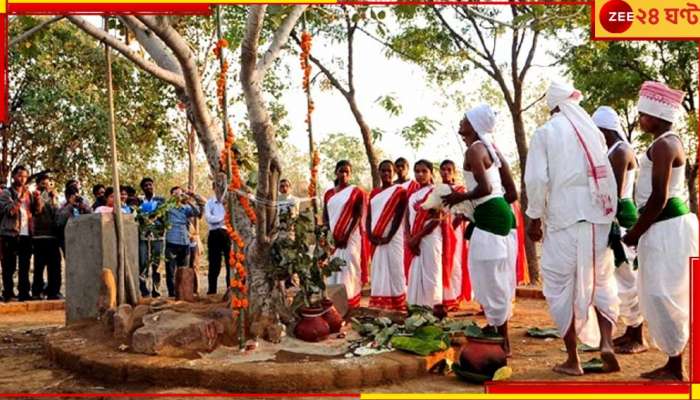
(306, 68)
(239, 299)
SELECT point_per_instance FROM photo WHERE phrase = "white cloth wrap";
(574, 281)
(492, 260)
(664, 280)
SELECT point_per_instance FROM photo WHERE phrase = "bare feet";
(568, 368)
(631, 347)
(621, 340)
(610, 363)
(664, 373)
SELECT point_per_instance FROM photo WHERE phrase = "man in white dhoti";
(492, 244)
(666, 234)
(624, 165)
(570, 185)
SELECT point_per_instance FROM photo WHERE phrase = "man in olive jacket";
(17, 206)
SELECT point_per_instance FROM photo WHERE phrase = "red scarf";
(421, 217)
(343, 225)
(388, 212)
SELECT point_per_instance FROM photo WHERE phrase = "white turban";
(483, 119)
(660, 101)
(606, 118)
(601, 180)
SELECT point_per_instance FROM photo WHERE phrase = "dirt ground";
(26, 370)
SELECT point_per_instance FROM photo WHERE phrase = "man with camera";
(177, 238)
(47, 254)
(17, 205)
(75, 205)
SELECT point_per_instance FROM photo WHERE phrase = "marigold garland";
(239, 298)
(315, 160)
(306, 80)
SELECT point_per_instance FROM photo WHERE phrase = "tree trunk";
(533, 261)
(691, 178)
(269, 165)
(367, 140)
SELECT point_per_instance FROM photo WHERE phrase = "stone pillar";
(91, 244)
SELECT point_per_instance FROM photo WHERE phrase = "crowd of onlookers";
(34, 215)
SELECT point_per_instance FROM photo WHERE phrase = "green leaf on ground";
(542, 333)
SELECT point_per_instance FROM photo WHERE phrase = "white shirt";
(288, 203)
(23, 219)
(556, 178)
(214, 214)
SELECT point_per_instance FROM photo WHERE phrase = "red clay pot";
(332, 316)
(439, 311)
(312, 327)
(482, 355)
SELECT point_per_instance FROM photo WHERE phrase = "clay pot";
(482, 355)
(332, 316)
(312, 327)
(439, 311)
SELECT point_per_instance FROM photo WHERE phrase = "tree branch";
(104, 37)
(155, 47)
(530, 54)
(458, 38)
(279, 39)
(534, 102)
(331, 77)
(351, 37)
(30, 32)
(198, 109)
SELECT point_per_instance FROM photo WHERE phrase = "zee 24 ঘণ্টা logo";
(617, 16)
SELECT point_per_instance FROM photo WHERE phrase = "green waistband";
(675, 207)
(627, 214)
(495, 216)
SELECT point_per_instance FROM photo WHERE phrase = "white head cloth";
(483, 119)
(606, 118)
(601, 180)
(659, 100)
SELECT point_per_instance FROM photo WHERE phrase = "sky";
(378, 75)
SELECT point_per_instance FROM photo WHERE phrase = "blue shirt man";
(177, 239)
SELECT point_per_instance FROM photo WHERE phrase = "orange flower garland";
(239, 299)
(315, 160)
(306, 68)
(306, 80)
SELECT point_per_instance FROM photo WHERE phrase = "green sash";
(494, 216)
(627, 214)
(675, 207)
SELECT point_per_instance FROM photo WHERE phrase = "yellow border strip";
(529, 396)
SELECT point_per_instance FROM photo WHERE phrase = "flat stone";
(170, 332)
(140, 311)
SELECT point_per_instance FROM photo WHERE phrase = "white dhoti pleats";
(628, 292)
(664, 280)
(425, 274)
(577, 272)
(492, 272)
